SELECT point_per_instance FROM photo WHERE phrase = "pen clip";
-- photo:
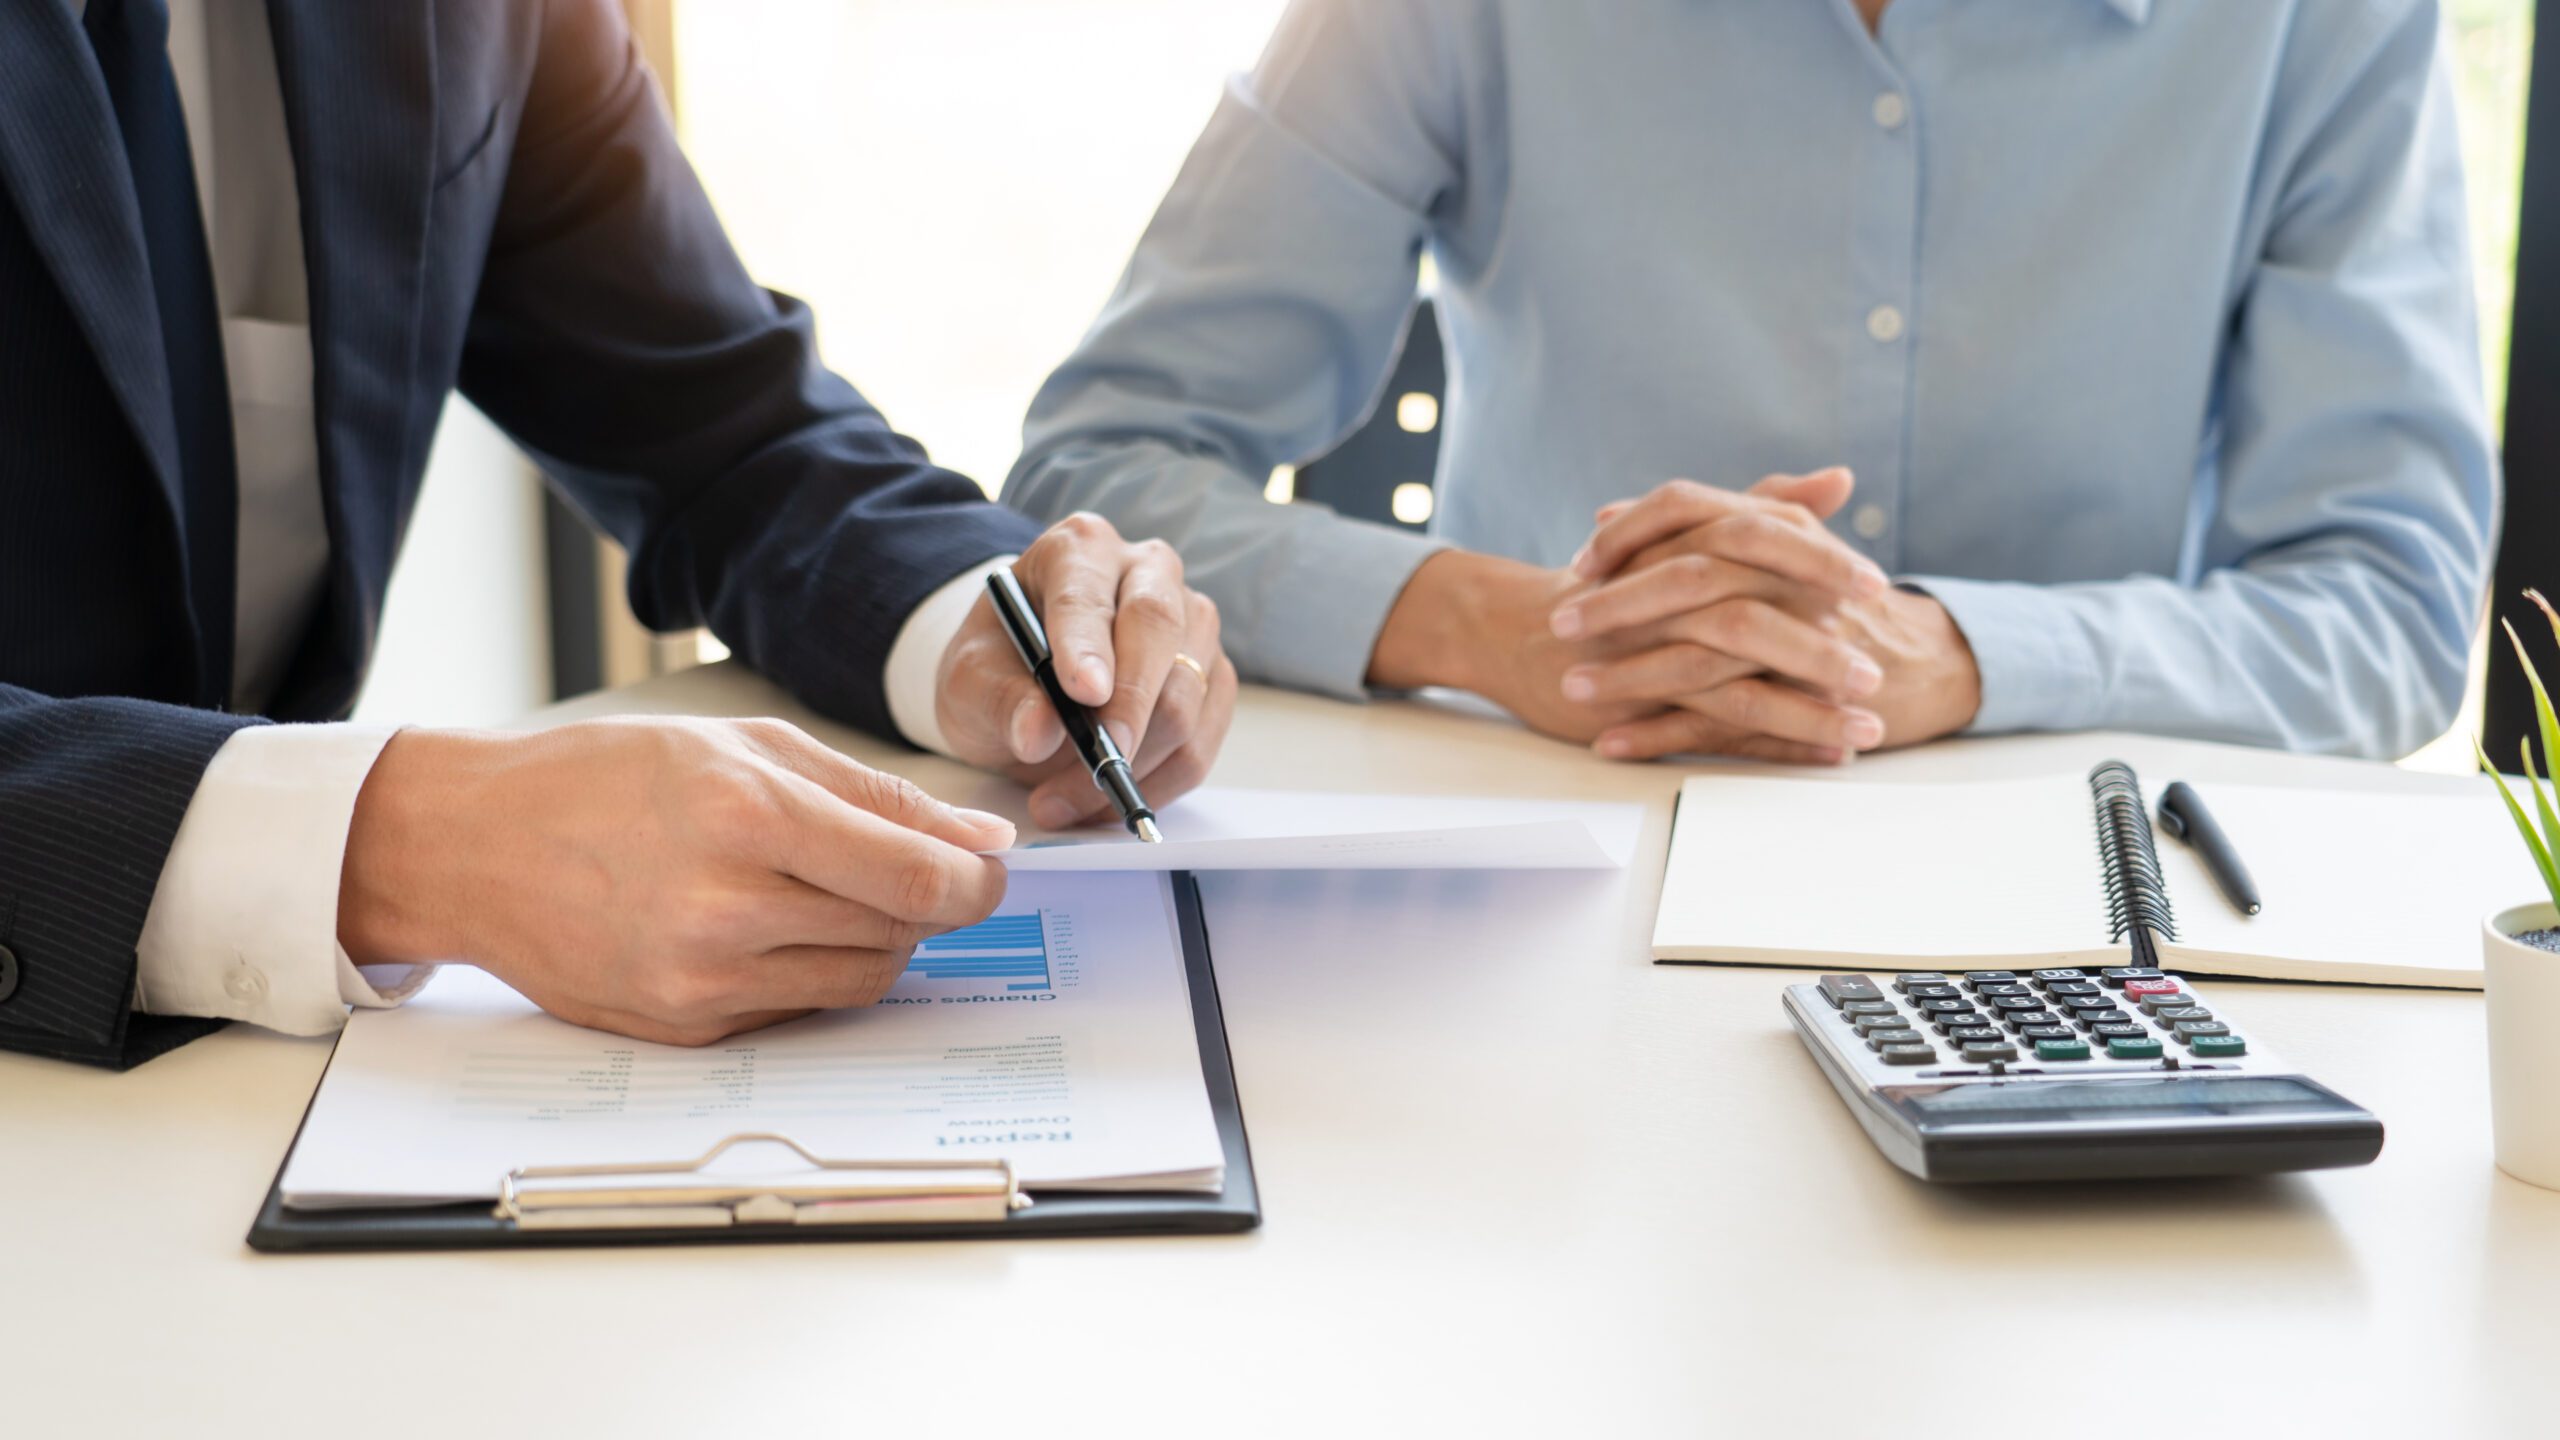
(1021, 623)
(2173, 820)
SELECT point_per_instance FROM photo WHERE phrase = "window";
(2493, 55)
(953, 185)
(2493, 51)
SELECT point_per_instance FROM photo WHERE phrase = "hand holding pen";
(1131, 644)
(1100, 753)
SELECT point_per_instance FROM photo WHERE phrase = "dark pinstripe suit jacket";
(492, 200)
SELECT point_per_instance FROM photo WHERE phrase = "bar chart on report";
(1008, 954)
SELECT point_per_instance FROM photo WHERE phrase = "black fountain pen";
(2182, 811)
(1110, 768)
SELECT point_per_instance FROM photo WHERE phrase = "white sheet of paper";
(1058, 1035)
(1300, 830)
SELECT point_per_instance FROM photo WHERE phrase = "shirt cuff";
(244, 922)
(913, 680)
(1320, 618)
(2039, 671)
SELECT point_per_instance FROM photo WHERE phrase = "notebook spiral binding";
(2137, 897)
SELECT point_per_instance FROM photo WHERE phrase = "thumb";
(1823, 492)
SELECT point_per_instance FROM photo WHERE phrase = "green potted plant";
(2520, 955)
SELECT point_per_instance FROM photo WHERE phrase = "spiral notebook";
(2383, 887)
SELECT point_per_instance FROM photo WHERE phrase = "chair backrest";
(1392, 449)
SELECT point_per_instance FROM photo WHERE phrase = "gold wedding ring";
(1194, 666)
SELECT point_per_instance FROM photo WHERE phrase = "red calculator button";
(2150, 987)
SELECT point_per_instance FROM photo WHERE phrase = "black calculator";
(2067, 1075)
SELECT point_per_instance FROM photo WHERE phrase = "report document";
(1057, 1035)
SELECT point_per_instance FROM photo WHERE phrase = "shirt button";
(1885, 323)
(245, 983)
(1891, 110)
(1869, 522)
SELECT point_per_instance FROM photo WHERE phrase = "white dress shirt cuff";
(244, 924)
(915, 661)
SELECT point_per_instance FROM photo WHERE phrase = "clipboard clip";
(631, 1195)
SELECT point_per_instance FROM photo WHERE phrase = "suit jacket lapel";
(62, 161)
(360, 103)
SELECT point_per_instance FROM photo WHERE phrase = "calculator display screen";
(2051, 1102)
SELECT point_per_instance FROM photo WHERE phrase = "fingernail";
(1018, 732)
(1615, 747)
(1581, 562)
(1865, 676)
(1578, 685)
(1096, 675)
(1052, 812)
(998, 830)
(1874, 581)
(1865, 731)
(1567, 621)
(1122, 736)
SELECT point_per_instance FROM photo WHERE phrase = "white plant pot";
(2524, 1059)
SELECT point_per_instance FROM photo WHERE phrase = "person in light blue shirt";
(2139, 332)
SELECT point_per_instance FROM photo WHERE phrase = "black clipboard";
(475, 1226)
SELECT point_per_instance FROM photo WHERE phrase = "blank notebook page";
(2358, 886)
(1781, 869)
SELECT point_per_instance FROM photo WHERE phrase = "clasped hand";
(1713, 621)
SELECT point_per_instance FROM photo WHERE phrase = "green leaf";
(2547, 612)
(2524, 826)
(2542, 803)
(2549, 723)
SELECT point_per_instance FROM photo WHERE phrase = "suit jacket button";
(8, 973)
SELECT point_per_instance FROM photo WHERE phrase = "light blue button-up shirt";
(2145, 325)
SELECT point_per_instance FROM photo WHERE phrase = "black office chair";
(1360, 476)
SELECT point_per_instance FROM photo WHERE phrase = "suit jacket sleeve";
(91, 793)
(683, 408)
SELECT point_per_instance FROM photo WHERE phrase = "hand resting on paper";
(670, 879)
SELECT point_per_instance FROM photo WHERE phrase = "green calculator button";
(2062, 1050)
(2133, 1049)
(2219, 1046)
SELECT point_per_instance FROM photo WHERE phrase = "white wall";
(466, 636)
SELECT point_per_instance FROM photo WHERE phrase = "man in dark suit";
(247, 249)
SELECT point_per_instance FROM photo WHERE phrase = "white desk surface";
(1515, 1177)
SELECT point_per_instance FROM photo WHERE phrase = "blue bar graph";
(1012, 950)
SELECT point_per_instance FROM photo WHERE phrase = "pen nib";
(1147, 830)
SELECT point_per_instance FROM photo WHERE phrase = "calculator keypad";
(2055, 1019)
